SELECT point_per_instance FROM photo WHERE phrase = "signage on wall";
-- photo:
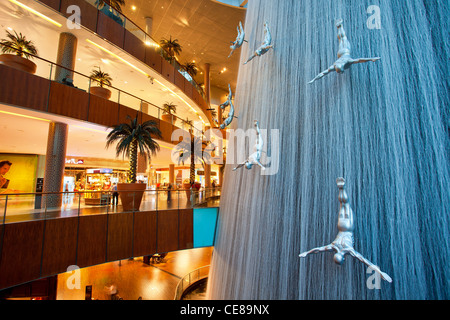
(74, 161)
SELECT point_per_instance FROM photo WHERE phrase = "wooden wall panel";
(88, 12)
(166, 131)
(110, 29)
(60, 243)
(134, 46)
(23, 89)
(179, 80)
(54, 4)
(120, 236)
(92, 240)
(168, 71)
(102, 111)
(167, 231)
(153, 59)
(21, 253)
(124, 112)
(188, 88)
(186, 229)
(68, 101)
(144, 233)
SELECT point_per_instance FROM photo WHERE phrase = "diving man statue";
(239, 40)
(345, 60)
(227, 103)
(343, 244)
(254, 158)
(266, 46)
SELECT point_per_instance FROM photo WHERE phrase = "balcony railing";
(21, 207)
(190, 279)
(133, 28)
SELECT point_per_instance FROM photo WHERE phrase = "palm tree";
(191, 68)
(133, 137)
(18, 44)
(169, 108)
(101, 77)
(115, 4)
(172, 47)
(194, 151)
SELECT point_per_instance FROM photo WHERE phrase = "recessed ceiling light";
(105, 61)
(133, 8)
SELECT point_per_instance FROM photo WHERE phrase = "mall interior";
(204, 227)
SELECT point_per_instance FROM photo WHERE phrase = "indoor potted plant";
(192, 150)
(102, 78)
(169, 109)
(132, 138)
(17, 51)
(171, 48)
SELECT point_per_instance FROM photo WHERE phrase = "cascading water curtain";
(383, 126)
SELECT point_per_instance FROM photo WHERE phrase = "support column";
(171, 173)
(67, 50)
(148, 25)
(207, 77)
(54, 164)
(207, 175)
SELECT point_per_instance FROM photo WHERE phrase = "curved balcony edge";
(22, 89)
(105, 27)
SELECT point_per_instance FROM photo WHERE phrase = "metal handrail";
(191, 278)
(193, 199)
(173, 62)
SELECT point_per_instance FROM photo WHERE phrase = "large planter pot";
(187, 187)
(101, 92)
(168, 118)
(131, 195)
(18, 62)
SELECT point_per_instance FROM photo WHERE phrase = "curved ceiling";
(204, 29)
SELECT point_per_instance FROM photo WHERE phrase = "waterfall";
(383, 126)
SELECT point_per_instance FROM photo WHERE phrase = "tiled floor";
(133, 278)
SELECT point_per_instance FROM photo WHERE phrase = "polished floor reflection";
(133, 279)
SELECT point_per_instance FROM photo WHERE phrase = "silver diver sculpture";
(228, 103)
(343, 244)
(254, 158)
(266, 46)
(345, 60)
(239, 39)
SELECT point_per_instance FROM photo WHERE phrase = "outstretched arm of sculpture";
(318, 250)
(239, 166)
(251, 58)
(358, 256)
(363, 60)
(323, 74)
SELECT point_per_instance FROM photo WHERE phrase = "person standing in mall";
(115, 195)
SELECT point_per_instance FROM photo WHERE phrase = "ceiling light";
(133, 8)
(105, 61)
(36, 13)
(25, 116)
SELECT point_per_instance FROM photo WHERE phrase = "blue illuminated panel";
(204, 226)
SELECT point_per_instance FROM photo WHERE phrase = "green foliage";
(133, 137)
(18, 44)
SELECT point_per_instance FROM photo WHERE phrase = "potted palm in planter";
(17, 51)
(169, 109)
(132, 138)
(171, 47)
(191, 69)
(192, 150)
(102, 78)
